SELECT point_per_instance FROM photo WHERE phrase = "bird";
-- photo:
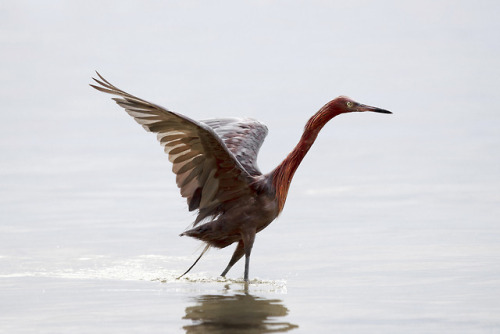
(215, 162)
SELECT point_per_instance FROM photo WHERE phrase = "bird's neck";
(283, 174)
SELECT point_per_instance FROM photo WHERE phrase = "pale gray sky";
(435, 64)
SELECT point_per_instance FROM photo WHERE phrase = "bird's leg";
(195, 262)
(238, 253)
(248, 239)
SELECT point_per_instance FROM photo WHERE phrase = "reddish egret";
(215, 164)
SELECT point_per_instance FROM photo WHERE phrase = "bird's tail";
(195, 262)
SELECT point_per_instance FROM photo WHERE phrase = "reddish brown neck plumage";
(283, 174)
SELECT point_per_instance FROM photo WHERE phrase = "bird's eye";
(350, 104)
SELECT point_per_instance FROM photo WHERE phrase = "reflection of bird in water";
(215, 164)
(236, 314)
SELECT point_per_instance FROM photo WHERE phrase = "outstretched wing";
(243, 137)
(208, 174)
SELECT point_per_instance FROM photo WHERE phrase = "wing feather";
(243, 137)
(208, 172)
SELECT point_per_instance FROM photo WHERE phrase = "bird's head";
(337, 106)
(344, 104)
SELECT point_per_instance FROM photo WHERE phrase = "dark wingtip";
(97, 75)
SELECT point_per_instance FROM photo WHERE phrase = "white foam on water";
(139, 268)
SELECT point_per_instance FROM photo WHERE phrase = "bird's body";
(215, 164)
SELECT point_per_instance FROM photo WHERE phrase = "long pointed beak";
(363, 107)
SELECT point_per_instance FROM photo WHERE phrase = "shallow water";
(354, 280)
(391, 225)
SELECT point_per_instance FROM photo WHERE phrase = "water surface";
(391, 225)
